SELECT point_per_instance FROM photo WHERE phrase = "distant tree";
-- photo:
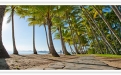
(11, 9)
(32, 22)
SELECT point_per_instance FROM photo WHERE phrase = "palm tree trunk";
(71, 50)
(62, 43)
(3, 52)
(34, 49)
(47, 39)
(99, 30)
(117, 12)
(74, 41)
(95, 36)
(13, 36)
(101, 38)
(79, 41)
(108, 25)
(53, 51)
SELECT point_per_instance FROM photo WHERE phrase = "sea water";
(26, 52)
(30, 52)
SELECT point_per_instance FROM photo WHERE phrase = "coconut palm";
(108, 25)
(117, 12)
(59, 35)
(11, 9)
(34, 49)
(3, 52)
(58, 24)
(98, 29)
(46, 12)
(47, 38)
(74, 42)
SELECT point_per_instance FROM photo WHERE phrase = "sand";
(22, 62)
(115, 62)
(25, 62)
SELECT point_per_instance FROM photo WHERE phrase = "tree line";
(88, 28)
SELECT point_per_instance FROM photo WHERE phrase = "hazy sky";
(23, 36)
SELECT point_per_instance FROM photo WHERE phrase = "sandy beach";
(115, 62)
(22, 62)
(26, 62)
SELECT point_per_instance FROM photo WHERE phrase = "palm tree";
(59, 35)
(108, 25)
(74, 42)
(34, 49)
(47, 13)
(47, 38)
(98, 29)
(63, 43)
(59, 25)
(3, 52)
(117, 12)
(32, 21)
(11, 9)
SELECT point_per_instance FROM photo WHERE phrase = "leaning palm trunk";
(62, 43)
(73, 40)
(34, 49)
(71, 50)
(53, 51)
(99, 30)
(117, 12)
(108, 25)
(47, 39)
(13, 36)
(105, 43)
(95, 36)
(79, 41)
(3, 52)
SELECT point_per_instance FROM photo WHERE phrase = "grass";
(102, 55)
(83, 54)
(108, 55)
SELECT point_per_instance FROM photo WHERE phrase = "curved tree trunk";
(63, 43)
(53, 51)
(47, 39)
(95, 37)
(34, 49)
(13, 36)
(3, 52)
(108, 25)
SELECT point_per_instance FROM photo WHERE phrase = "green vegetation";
(109, 55)
(88, 28)
(91, 51)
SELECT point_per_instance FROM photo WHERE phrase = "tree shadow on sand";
(3, 64)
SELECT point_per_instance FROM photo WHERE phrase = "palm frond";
(9, 18)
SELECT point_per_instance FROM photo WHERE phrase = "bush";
(91, 51)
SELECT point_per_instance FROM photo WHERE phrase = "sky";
(23, 36)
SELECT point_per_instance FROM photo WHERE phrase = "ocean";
(30, 52)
